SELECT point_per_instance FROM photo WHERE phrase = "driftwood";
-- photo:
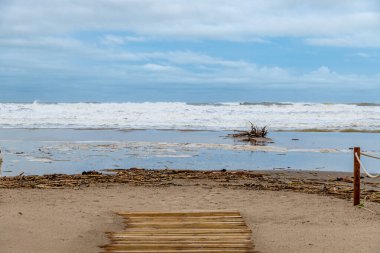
(255, 134)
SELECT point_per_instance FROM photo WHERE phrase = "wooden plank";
(168, 221)
(177, 246)
(191, 213)
(179, 237)
(188, 232)
(185, 218)
(184, 251)
(182, 235)
(189, 241)
(186, 225)
(184, 240)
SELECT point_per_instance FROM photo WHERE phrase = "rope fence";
(364, 169)
(368, 155)
(358, 164)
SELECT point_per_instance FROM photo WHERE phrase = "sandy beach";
(294, 191)
(259, 114)
(74, 219)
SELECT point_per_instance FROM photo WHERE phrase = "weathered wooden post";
(356, 176)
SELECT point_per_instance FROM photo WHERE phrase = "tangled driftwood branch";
(253, 134)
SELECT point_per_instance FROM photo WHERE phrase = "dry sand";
(68, 220)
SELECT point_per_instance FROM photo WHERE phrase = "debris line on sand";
(274, 181)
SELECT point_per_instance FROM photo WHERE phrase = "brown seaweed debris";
(91, 172)
(251, 180)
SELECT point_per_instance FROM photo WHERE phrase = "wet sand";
(75, 219)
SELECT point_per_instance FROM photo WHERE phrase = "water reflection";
(45, 151)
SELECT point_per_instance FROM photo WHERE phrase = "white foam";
(226, 116)
(165, 149)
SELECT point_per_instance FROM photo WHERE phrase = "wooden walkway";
(189, 232)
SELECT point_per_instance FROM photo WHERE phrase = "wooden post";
(356, 177)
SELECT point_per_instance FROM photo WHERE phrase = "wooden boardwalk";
(189, 232)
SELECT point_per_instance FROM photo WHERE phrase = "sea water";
(42, 138)
(45, 151)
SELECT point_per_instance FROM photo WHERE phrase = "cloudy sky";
(199, 50)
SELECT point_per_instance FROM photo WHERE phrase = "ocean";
(45, 138)
(287, 116)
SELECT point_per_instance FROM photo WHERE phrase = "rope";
(362, 166)
(372, 156)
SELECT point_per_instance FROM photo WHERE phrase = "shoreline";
(337, 184)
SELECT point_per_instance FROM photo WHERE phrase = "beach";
(75, 220)
(288, 211)
(253, 113)
(60, 187)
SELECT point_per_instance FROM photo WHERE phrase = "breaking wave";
(199, 116)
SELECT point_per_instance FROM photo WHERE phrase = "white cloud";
(360, 39)
(87, 39)
(58, 58)
(323, 22)
(110, 39)
(159, 68)
(362, 55)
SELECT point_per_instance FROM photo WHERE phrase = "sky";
(194, 51)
